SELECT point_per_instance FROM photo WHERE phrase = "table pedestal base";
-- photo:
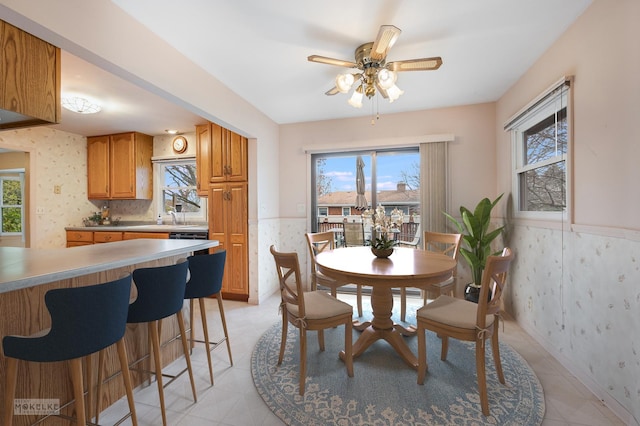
(382, 327)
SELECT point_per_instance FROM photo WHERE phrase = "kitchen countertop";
(141, 228)
(25, 267)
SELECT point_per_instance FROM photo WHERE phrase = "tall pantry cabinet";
(221, 164)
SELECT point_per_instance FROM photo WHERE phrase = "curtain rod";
(394, 142)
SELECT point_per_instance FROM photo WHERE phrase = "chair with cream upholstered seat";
(312, 310)
(463, 320)
(319, 242)
(437, 242)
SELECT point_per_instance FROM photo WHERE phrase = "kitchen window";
(541, 142)
(175, 190)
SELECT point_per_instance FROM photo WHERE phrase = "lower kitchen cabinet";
(79, 238)
(138, 235)
(84, 238)
(106, 237)
(228, 223)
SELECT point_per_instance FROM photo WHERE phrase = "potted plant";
(381, 245)
(477, 238)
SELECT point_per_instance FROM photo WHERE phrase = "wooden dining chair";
(463, 320)
(438, 242)
(319, 242)
(312, 310)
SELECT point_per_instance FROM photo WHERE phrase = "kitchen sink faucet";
(174, 220)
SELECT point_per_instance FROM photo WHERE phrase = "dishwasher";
(191, 235)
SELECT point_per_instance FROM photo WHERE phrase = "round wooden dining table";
(406, 267)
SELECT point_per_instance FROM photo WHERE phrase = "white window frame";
(323, 211)
(19, 178)
(158, 186)
(545, 105)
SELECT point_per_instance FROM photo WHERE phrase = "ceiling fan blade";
(424, 64)
(382, 91)
(387, 36)
(333, 91)
(331, 61)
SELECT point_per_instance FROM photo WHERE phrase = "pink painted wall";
(472, 155)
(601, 50)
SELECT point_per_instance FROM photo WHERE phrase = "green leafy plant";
(382, 242)
(476, 235)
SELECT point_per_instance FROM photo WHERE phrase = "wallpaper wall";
(56, 159)
(59, 158)
(578, 295)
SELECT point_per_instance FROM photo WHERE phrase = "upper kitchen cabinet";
(221, 156)
(29, 79)
(203, 159)
(119, 167)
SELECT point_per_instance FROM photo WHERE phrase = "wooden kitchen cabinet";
(203, 159)
(138, 235)
(119, 167)
(228, 155)
(221, 156)
(228, 223)
(84, 238)
(221, 170)
(30, 76)
(106, 237)
(79, 238)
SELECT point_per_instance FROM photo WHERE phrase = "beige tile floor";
(233, 400)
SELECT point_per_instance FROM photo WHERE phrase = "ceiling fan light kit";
(356, 98)
(344, 82)
(376, 75)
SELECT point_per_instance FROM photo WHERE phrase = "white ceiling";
(259, 50)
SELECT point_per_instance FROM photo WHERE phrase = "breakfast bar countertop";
(25, 267)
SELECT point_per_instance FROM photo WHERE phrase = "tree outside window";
(11, 205)
(178, 187)
(543, 188)
(541, 144)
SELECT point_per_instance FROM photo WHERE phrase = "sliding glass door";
(391, 180)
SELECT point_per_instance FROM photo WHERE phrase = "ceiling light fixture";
(80, 105)
(373, 78)
(375, 75)
(172, 131)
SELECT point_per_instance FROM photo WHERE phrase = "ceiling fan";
(374, 72)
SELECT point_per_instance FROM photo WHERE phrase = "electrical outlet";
(40, 210)
(57, 189)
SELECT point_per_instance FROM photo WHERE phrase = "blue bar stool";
(206, 272)
(160, 295)
(84, 320)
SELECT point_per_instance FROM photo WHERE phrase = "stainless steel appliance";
(191, 235)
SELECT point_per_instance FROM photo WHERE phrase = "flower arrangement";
(382, 225)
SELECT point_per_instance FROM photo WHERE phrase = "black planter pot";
(471, 293)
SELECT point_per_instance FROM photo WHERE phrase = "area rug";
(384, 391)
